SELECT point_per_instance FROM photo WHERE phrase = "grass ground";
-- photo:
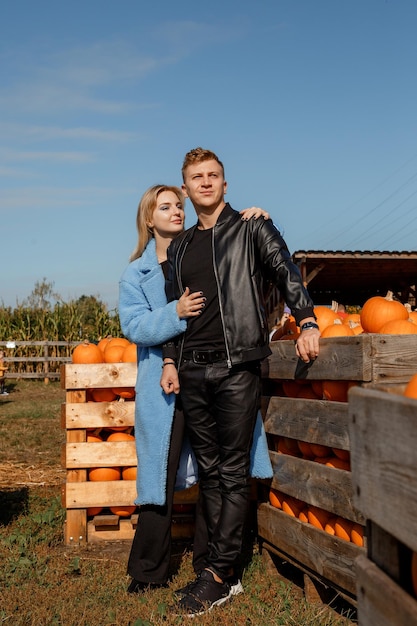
(45, 583)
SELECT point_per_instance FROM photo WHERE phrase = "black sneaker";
(205, 593)
(234, 582)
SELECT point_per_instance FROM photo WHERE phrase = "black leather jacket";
(246, 256)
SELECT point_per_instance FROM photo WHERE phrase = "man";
(218, 358)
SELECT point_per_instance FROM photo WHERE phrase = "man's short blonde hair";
(198, 155)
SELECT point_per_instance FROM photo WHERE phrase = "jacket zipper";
(179, 281)
(229, 361)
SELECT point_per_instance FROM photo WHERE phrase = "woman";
(148, 320)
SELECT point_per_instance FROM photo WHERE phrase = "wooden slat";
(314, 483)
(315, 421)
(105, 494)
(383, 435)
(329, 557)
(393, 358)
(100, 454)
(381, 602)
(340, 358)
(100, 375)
(98, 414)
(368, 358)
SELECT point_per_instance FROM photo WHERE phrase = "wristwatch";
(309, 326)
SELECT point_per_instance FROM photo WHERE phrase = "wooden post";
(75, 532)
(46, 363)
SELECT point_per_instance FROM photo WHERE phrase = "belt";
(203, 357)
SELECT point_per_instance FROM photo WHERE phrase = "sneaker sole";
(204, 611)
(235, 590)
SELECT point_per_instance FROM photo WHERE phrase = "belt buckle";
(200, 358)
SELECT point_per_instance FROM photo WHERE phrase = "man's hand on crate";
(307, 345)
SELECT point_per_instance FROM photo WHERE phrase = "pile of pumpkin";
(317, 452)
(383, 315)
(321, 519)
(107, 350)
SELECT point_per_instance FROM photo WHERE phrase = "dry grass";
(44, 583)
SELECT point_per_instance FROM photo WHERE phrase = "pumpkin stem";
(389, 296)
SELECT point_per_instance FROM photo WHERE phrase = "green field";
(45, 583)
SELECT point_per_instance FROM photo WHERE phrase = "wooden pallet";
(383, 433)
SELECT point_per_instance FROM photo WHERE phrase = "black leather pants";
(220, 407)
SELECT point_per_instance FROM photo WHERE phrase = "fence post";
(46, 363)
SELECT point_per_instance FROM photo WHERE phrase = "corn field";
(67, 323)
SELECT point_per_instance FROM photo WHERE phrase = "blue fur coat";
(148, 320)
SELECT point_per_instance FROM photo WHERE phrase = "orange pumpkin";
(303, 516)
(275, 498)
(130, 354)
(103, 343)
(128, 393)
(336, 390)
(399, 327)
(338, 463)
(103, 395)
(352, 318)
(318, 517)
(104, 473)
(288, 446)
(113, 353)
(123, 511)
(378, 310)
(118, 341)
(305, 449)
(337, 330)
(94, 510)
(329, 527)
(342, 454)
(320, 450)
(120, 436)
(87, 353)
(356, 534)
(325, 316)
(94, 438)
(411, 388)
(291, 388)
(129, 473)
(343, 528)
(308, 393)
(292, 506)
(317, 386)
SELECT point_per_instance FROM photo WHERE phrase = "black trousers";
(150, 554)
(220, 407)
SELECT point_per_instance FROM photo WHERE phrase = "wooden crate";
(371, 361)
(79, 494)
(383, 434)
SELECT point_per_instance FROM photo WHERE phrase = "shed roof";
(351, 277)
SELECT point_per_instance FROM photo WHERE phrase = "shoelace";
(200, 586)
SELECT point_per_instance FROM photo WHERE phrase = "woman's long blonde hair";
(146, 208)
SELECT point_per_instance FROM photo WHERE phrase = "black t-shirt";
(204, 332)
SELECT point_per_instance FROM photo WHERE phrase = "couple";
(203, 287)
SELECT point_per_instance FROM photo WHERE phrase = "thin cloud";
(43, 155)
(47, 133)
(46, 198)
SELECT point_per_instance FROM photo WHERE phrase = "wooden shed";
(351, 277)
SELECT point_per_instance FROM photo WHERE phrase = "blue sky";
(310, 104)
